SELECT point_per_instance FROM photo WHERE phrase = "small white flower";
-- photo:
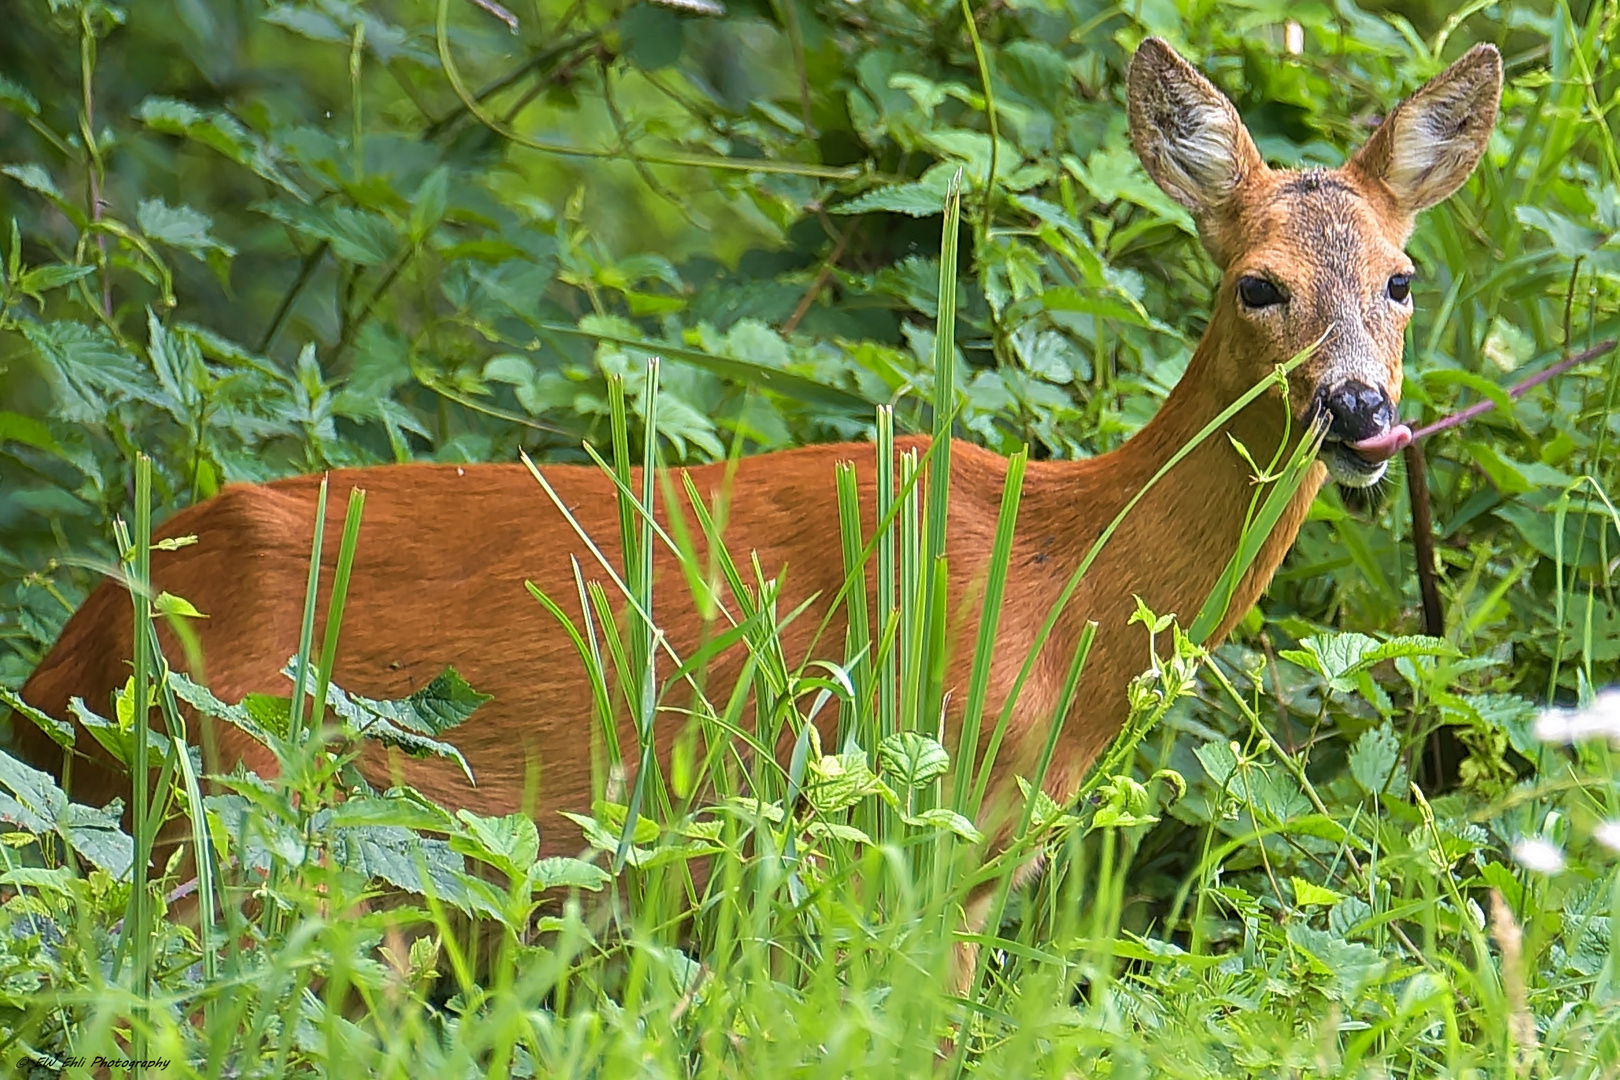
(1542, 856)
(1599, 720)
(1608, 834)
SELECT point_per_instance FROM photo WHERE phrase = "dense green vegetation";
(246, 239)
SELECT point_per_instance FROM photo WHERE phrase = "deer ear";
(1427, 147)
(1188, 136)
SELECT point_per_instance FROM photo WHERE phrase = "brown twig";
(1462, 416)
(1417, 487)
(820, 282)
(1417, 481)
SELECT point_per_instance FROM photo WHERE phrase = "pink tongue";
(1385, 446)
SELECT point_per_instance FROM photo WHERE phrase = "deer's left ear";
(1427, 148)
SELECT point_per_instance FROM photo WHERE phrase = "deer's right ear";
(1189, 137)
(1431, 143)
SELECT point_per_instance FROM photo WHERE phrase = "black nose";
(1356, 411)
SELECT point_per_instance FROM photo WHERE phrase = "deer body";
(1312, 258)
(443, 583)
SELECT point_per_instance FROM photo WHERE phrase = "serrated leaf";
(941, 817)
(838, 781)
(565, 873)
(1338, 658)
(357, 236)
(914, 200)
(89, 372)
(179, 227)
(912, 759)
(400, 811)
(37, 805)
(34, 178)
(60, 731)
(1373, 759)
(837, 830)
(42, 279)
(510, 843)
(1309, 892)
(428, 206)
(15, 96)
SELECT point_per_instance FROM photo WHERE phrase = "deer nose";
(1357, 412)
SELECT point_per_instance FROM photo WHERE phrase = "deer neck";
(1175, 543)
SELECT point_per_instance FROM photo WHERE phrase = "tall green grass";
(1392, 938)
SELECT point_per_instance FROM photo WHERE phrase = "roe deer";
(1306, 256)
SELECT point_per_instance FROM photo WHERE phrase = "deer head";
(1317, 256)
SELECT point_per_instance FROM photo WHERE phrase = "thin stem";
(1462, 416)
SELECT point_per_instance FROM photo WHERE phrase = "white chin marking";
(1350, 469)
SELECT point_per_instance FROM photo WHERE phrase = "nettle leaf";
(88, 370)
(38, 806)
(1219, 760)
(400, 808)
(204, 701)
(411, 724)
(1307, 893)
(42, 279)
(1512, 714)
(921, 199)
(941, 817)
(357, 236)
(1570, 239)
(60, 731)
(15, 96)
(442, 704)
(1374, 760)
(219, 131)
(1338, 658)
(912, 759)
(179, 227)
(1348, 965)
(510, 843)
(414, 863)
(565, 873)
(1045, 811)
(838, 781)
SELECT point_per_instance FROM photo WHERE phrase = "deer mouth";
(1363, 462)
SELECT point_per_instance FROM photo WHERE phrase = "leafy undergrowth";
(248, 240)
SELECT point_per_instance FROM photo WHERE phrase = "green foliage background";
(251, 239)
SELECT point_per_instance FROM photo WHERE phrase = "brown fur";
(445, 550)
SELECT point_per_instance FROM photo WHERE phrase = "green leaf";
(835, 782)
(179, 227)
(220, 131)
(942, 817)
(405, 810)
(510, 843)
(87, 369)
(60, 731)
(1569, 238)
(564, 873)
(912, 759)
(922, 199)
(1340, 657)
(357, 236)
(1373, 759)
(38, 806)
(1307, 893)
(15, 96)
(414, 863)
(1539, 527)
(427, 208)
(34, 178)
(42, 279)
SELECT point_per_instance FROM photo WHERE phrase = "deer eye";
(1257, 292)
(1400, 287)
